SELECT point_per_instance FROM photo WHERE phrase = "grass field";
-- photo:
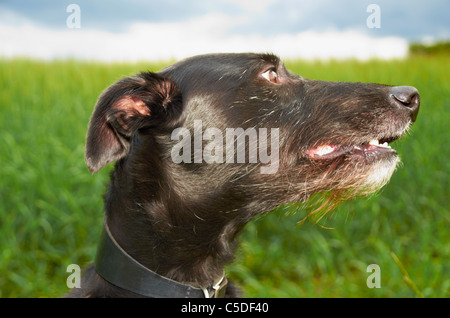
(51, 207)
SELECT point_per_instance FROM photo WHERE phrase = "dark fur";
(183, 220)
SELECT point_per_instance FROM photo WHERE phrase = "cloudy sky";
(156, 29)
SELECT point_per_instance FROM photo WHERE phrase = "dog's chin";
(379, 173)
(374, 168)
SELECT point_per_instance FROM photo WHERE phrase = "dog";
(206, 144)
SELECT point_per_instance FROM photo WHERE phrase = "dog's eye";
(272, 76)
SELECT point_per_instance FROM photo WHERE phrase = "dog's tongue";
(323, 150)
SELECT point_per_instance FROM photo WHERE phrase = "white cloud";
(205, 34)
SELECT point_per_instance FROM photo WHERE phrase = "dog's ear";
(142, 101)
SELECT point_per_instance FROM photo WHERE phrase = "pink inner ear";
(140, 106)
(132, 103)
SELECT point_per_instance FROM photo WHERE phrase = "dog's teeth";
(375, 142)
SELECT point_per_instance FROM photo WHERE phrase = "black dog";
(208, 143)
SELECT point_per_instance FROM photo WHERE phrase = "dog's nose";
(407, 96)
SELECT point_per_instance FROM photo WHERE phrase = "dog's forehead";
(223, 63)
(218, 72)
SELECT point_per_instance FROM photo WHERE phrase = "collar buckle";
(217, 290)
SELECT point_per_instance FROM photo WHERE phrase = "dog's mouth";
(374, 148)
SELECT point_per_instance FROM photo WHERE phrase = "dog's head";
(243, 126)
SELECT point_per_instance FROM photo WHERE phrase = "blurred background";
(136, 29)
(56, 57)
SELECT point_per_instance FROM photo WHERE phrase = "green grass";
(51, 208)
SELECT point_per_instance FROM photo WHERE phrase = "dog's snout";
(407, 96)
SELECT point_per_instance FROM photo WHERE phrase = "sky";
(147, 30)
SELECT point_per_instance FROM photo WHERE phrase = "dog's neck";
(179, 238)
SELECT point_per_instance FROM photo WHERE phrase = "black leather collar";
(114, 265)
